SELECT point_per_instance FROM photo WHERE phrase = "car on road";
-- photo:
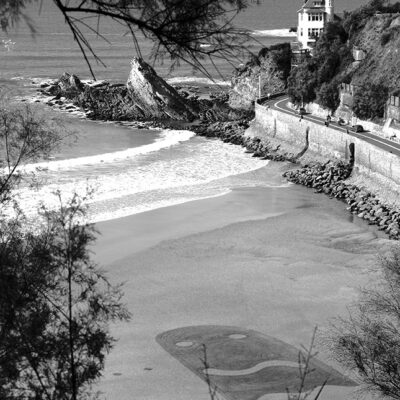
(357, 128)
(302, 111)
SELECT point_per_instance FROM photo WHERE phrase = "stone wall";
(325, 142)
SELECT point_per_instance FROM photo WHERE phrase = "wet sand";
(276, 260)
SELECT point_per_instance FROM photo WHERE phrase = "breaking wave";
(145, 180)
(274, 33)
(166, 139)
(198, 80)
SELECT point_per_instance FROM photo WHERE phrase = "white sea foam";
(170, 175)
(194, 80)
(98, 216)
(93, 83)
(167, 139)
(274, 33)
(40, 81)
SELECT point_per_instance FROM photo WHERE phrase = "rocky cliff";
(268, 72)
(380, 40)
(153, 96)
(145, 96)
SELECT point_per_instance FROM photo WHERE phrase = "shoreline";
(276, 260)
(185, 222)
(386, 216)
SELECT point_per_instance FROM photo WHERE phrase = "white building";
(312, 19)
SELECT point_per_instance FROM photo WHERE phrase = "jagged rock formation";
(153, 96)
(268, 72)
(146, 96)
(67, 85)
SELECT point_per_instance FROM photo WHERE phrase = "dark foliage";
(302, 82)
(369, 101)
(55, 307)
(282, 56)
(328, 95)
(25, 136)
(314, 77)
(368, 342)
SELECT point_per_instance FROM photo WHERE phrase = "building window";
(301, 31)
(316, 17)
(314, 32)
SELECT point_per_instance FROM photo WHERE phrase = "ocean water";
(157, 168)
(131, 170)
(52, 50)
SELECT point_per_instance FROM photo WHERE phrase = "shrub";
(302, 82)
(368, 341)
(328, 95)
(369, 101)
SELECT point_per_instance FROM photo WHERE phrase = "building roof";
(311, 4)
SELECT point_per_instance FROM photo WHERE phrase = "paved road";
(281, 104)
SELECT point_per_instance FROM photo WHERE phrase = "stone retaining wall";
(324, 142)
(276, 139)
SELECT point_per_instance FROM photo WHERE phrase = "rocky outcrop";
(380, 39)
(67, 85)
(329, 178)
(153, 96)
(146, 96)
(266, 73)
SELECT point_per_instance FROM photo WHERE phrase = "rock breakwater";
(329, 178)
(234, 132)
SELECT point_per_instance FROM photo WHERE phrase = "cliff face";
(380, 40)
(268, 72)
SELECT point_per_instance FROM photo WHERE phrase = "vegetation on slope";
(266, 73)
(373, 28)
(318, 77)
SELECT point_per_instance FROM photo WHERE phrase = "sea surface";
(130, 170)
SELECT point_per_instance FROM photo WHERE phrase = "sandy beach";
(275, 260)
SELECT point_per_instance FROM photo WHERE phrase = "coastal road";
(281, 104)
